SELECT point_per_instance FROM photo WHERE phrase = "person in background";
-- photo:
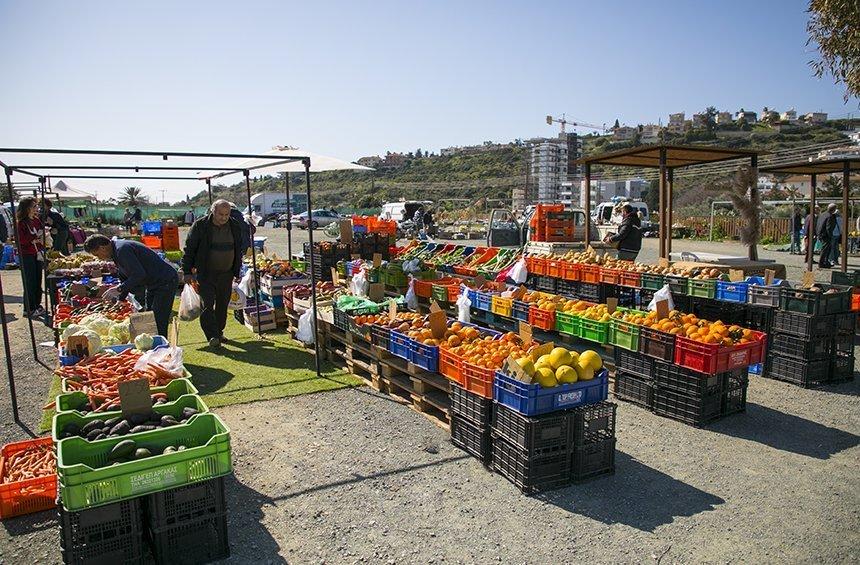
(138, 216)
(128, 219)
(796, 226)
(825, 234)
(837, 235)
(213, 255)
(58, 225)
(809, 230)
(629, 236)
(32, 254)
(189, 217)
(151, 279)
(428, 222)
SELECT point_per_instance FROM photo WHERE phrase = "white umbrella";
(319, 163)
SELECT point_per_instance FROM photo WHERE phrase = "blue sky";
(359, 78)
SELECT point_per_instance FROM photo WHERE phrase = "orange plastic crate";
(609, 276)
(712, 358)
(151, 241)
(28, 496)
(453, 292)
(855, 300)
(451, 366)
(569, 271)
(553, 268)
(479, 380)
(537, 266)
(627, 278)
(543, 319)
(589, 273)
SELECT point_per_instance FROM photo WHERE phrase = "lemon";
(566, 374)
(583, 373)
(559, 356)
(546, 377)
(590, 358)
(543, 361)
(527, 365)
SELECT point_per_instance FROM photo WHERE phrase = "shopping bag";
(189, 304)
(411, 299)
(168, 358)
(662, 294)
(305, 333)
(463, 305)
(359, 285)
(519, 272)
(237, 298)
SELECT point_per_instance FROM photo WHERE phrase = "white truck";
(272, 204)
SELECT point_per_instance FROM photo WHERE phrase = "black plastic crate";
(696, 411)
(537, 435)
(199, 541)
(842, 367)
(546, 284)
(759, 318)
(473, 407)
(634, 362)
(635, 389)
(806, 301)
(807, 374)
(627, 296)
(186, 503)
(677, 284)
(735, 397)
(851, 278)
(687, 381)
(568, 288)
(592, 460)
(530, 473)
(341, 319)
(805, 348)
(593, 423)
(103, 535)
(380, 336)
(608, 290)
(713, 310)
(644, 298)
(473, 439)
(682, 302)
(843, 344)
(656, 344)
(845, 323)
(590, 292)
(803, 325)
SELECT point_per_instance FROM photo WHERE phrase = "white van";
(403, 210)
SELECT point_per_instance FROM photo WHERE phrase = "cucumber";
(122, 450)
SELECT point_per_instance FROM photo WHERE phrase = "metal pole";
(670, 189)
(289, 217)
(209, 188)
(662, 215)
(48, 321)
(587, 204)
(254, 256)
(846, 172)
(20, 258)
(12, 394)
(307, 163)
(810, 246)
(711, 230)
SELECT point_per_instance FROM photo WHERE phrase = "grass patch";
(48, 415)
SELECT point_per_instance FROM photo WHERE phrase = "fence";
(730, 226)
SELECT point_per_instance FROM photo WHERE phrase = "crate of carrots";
(28, 477)
(102, 372)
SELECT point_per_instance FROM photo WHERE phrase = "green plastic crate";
(173, 408)
(652, 281)
(439, 293)
(624, 334)
(86, 479)
(593, 330)
(175, 389)
(395, 276)
(567, 323)
(299, 265)
(702, 288)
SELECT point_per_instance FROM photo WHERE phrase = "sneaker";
(38, 311)
(215, 343)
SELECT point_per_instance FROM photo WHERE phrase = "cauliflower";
(143, 342)
(71, 329)
(98, 323)
(94, 341)
(109, 340)
(119, 331)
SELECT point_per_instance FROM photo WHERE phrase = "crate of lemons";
(561, 366)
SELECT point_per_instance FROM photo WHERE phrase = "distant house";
(749, 117)
(789, 116)
(372, 161)
(650, 133)
(769, 116)
(815, 117)
(801, 183)
(393, 161)
(624, 133)
(724, 118)
(676, 122)
(700, 120)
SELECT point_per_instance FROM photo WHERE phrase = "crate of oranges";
(543, 308)
(425, 350)
(473, 364)
(715, 347)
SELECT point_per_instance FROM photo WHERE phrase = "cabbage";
(98, 323)
(109, 340)
(94, 342)
(71, 329)
(143, 342)
(119, 332)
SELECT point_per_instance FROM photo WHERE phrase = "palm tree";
(744, 194)
(132, 196)
(831, 186)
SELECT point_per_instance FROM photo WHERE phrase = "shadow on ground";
(636, 495)
(786, 432)
(250, 540)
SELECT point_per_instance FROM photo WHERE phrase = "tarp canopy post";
(307, 164)
(289, 217)
(20, 259)
(587, 205)
(254, 255)
(846, 174)
(209, 189)
(810, 247)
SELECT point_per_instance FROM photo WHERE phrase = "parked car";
(319, 219)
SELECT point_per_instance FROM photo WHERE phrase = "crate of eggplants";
(95, 427)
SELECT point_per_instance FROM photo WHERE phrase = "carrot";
(29, 463)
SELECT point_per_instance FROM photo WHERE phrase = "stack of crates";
(812, 350)
(471, 417)
(169, 236)
(551, 223)
(698, 398)
(151, 230)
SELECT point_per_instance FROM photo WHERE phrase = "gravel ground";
(350, 476)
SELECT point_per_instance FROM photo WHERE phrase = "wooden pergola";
(844, 165)
(666, 158)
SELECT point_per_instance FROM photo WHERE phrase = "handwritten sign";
(438, 321)
(376, 291)
(377, 259)
(808, 279)
(392, 309)
(662, 309)
(345, 231)
(134, 397)
(611, 305)
(736, 275)
(141, 323)
(334, 277)
(525, 333)
(78, 345)
(769, 275)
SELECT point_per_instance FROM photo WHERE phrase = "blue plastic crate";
(157, 343)
(151, 227)
(728, 291)
(359, 229)
(483, 300)
(520, 310)
(425, 356)
(756, 369)
(533, 399)
(273, 301)
(471, 293)
(400, 344)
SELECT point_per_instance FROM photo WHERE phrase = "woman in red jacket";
(32, 254)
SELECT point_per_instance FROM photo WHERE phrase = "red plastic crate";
(589, 273)
(553, 268)
(543, 319)
(627, 278)
(478, 380)
(28, 496)
(569, 271)
(451, 366)
(712, 358)
(151, 241)
(855, 300)
(609, 276)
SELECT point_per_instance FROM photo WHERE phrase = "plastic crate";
(566, 323)
(845, 323)
(30, 495)
(399, 345)
(536, 266)
(478, 379)
(696, 411)
(805, 301)
(806, 374)
(803, 325)
(677, 284)
(425, 356)
(589, 273)
(536, 435)
(471, 438)
(451, 366)
(624, 334)
(77, 401)
(713, 358)
(380, 336)
(630, 279)
(592, 460)
(609, 276)
(86, 480)
(656, 344)
(545, 284)
(473, 407)
(520, 310)
(731, 291)
(151, 241)
(567, 288)
(689, 382)
(483, 300)
(644, 297)
(759, 318)
(501, 306)
(341, 319)
(108, 534)
(634, 388)
(569, 271)
(765, 295)
(543, 319)
(804, 348)
(701, 288)
(594, 330)
(199, 541)
(735, 397)
(634, 363)
(851, 278)
(439, 293)
(151, 227)
(185, 504)
(66, 360)
(842, 367)
(530, 474)
(652, 281)
(533, 399)
(593, 423)
(590, 292)
(553, 268)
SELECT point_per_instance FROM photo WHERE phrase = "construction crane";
(563, 121)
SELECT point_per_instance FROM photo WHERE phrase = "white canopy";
(319, 163)
(65, 191)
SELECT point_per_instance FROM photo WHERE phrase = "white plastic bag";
(189, 304)
(305, 333)
(411, 299)
(168, 358)
(662, 294)
(247, 282)
(519, 272)
(237, 298)
(135, 305)
(359, 285)
(463, 305)
(412, 266)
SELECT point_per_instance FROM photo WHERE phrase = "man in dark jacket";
(58, 225)
(629, 236)
(213, 254)
(825, 234)
(143, 273)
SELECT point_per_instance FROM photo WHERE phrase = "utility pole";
(163, 201)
